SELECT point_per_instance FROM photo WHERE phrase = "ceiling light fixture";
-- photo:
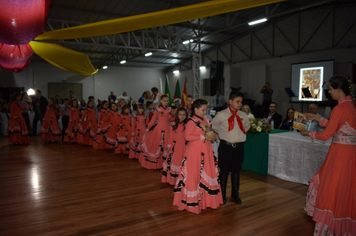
(202, 68)
(257, 21)
(122, 62)
(176, 72)
(30, 92)
(188, 41)
(148, 54)
(105, 67)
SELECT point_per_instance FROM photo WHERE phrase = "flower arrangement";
(260, 125)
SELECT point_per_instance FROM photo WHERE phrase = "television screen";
(309, 80)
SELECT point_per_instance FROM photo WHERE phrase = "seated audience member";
(247, 110)
(273, 115)
(125, 97)
(314, 125)
(288, 121)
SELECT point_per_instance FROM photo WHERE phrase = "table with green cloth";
(256, 151)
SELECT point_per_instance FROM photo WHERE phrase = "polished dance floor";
(70, 189)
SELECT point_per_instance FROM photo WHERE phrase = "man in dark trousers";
(274, 115)
(231, 124)
(39, 104)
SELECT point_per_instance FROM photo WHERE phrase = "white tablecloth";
(295, 158)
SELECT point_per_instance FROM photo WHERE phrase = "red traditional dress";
(17, 129)
(331, 197)
(156, 139)
(111, 134)
(104, 124)
(138, 127)
(72, 130)
(197, 187)
(87, 128)
(124, 135)
(50, 130)
(173, 163)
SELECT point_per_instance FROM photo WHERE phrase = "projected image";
(310, 84)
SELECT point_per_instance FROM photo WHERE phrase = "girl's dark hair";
(125, 107)
(342, 82)
(92, 103)
(175, 126)
(160, 99)
(15, 96)
(113, 104)
(54, 104)
(288, 111)
(142, 107)
(76, 102)
(102, 103)
(197, 104)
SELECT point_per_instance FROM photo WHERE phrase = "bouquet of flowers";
(206, 128)
(260, 125)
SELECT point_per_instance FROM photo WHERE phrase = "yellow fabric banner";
(64, 58)
(154, 19)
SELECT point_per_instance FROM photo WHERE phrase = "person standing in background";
(111, 97)
(267, 96)
(39, 104)
(71, 98)
(64, 110)
(218, 101)
(156, 97)
(188, 107)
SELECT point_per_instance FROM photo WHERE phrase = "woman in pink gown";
(72, 130)
(197, 187)
(113, 129)
(331, 197)
(156, 138)
(50, 130)
(87, 125)
(138, 127)
(102, 127)
(175, 148)
(17, 129)
(124, 135)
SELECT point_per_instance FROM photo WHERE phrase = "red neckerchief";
(188, 109)
(154, 97)
(239, 121)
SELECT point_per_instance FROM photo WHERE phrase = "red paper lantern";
(15, 58)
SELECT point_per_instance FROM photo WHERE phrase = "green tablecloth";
(256, 151)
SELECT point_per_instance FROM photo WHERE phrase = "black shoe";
(235, 186)
(223, 182)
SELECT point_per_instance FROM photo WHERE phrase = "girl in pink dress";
(138, 127)
(197, 187)
(331, 197)
(115, 122)
(124, 134)
(175, 148)
(17, 129)
(87, 128)
(103, 126)
(50, 130)
(156, 138)
(72, 130)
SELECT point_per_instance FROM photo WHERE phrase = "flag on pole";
(160, 86)
(177, 90)
(167, 92)
(184, 95)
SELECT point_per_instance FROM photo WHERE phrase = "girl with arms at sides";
(331, 197)
(50, 130)
(138, 127)
(87, 128)
(175, 148)
(103, 125)
(124, 134)
(17, 130)
(72, 130)
(115, 122)
(156, 138)
(197, 187)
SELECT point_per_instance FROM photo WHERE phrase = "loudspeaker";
(217, 70)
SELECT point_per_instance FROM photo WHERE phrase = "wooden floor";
(70, 189)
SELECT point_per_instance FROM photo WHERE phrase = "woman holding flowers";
(231, 125)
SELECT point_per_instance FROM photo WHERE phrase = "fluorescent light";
(176, 72)
(105, 67)
(148, 54)
(175, 54)
(31, 92)
(202, 68)
(122, 62)
(257, 21)
(188, 41)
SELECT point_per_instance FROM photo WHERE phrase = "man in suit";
(274, 115)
